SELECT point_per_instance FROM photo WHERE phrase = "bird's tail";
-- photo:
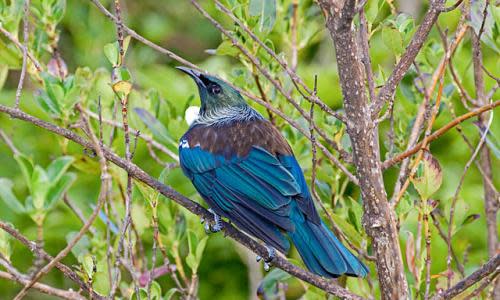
(321, 251)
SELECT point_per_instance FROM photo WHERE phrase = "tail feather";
(321, 251)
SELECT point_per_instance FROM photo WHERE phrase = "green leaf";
(191, 259)
(428, 177)
(351, 233)
(58, 167)
(470, 218)
(227, 48)
(4, 71)
(26, 165)
(200, 248)
(112, 53)
(393, 40)
(143, 294)
(159, 131)
(8, 196)
(82, 246)
(40, 184)
(57, 191)
(267, 288)
(100, 281)
(58, 10)
(266, 10)
(155, 291)
(170, 293)
(373, 8)
(5, 248)
(9, 57)
(88, 263)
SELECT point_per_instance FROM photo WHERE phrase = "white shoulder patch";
(184, 143)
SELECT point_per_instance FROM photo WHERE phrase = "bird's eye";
(215, 89)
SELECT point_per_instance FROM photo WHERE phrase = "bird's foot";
(271, 253)
(217, 223)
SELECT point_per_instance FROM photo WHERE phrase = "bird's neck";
(226, 114)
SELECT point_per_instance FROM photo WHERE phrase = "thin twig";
(14, 40)
(25, 52)
(46, 289)
(63, 268)
(443, 235)
(490, 267)
(390, 162)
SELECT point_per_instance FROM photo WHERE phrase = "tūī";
(245, 170)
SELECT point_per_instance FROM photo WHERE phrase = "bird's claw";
(217, 223)
(267, 267)
(271, 253)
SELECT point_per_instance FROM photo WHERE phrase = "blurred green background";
(177, 26)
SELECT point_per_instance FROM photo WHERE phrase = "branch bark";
(378, 219)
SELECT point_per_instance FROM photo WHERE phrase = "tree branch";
(493, 265)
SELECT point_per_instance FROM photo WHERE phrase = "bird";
(245, 170)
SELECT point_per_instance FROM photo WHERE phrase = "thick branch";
(378, 218)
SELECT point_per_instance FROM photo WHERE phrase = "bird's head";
(214, 92)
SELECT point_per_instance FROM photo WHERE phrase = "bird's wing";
(252, 187)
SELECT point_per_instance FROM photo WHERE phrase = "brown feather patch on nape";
(239, 138)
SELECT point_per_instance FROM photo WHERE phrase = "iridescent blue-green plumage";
(245, 170)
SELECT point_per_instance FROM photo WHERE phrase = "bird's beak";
(196, 75)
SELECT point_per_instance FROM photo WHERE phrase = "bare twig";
(490, 267)
(25, 51)
(421, 115)
(389, 163)
(14, 40)
(444, 236)
(46, 289)
(63, 268)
